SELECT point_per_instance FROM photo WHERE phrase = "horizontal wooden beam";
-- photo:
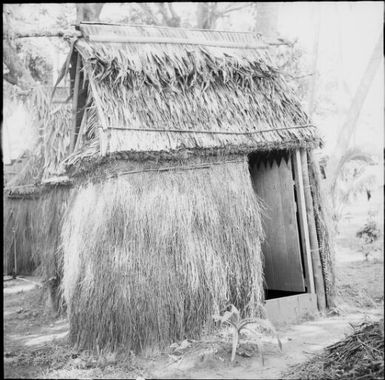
(209, 132)
(207, 165)
(165, 40)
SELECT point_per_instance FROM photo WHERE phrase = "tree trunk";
(88, 11)
(206, 15)
(317, 14)
(349, 127)
(18, 73)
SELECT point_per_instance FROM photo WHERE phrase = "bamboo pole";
(14, 254)
(75, 102)
(210, 132)
(303, 222)
(314, 245)
(322, 218)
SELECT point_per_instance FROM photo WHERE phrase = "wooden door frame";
(307, 229)
(303, 222)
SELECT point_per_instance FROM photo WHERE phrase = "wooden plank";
(314, 246)
(293, 250)
(303, 221)
(259, 179)
(75, 103)
(282, 255)
(288, 310)
(278, 239)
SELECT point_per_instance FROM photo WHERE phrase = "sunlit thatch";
(150, 257)
(151, 96)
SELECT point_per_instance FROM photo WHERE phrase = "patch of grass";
(360, 284)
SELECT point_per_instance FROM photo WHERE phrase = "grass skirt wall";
(148, 258)
(17, 236)
(32, 228)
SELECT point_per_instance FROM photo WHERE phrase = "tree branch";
(232, 8)
(172, 10)
(173, 20)
(163, 12)
(297, 76)
(42, 33)
(145, 7)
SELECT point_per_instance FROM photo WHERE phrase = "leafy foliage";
(369, 233)
(232, 318)
(351, 177)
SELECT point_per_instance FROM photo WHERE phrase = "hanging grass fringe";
(148, 260)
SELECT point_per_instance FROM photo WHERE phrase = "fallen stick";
(33, 282)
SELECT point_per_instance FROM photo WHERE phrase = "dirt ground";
(35, 341)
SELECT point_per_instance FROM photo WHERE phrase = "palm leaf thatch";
(175, 95)
(148, 260)
(52, 122)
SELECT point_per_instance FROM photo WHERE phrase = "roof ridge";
(167, 27)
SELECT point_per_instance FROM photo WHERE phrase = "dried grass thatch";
(52, 122)
(16, 233)
(151, 96)
(359, 356)
(32, 229)
(31, 173)
(149, 257)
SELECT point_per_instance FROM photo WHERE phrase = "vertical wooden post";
(14, 254)
(103, 135)
(322, 220)
(304, 233)
(314, 246)
(75, 103)
(80, 133)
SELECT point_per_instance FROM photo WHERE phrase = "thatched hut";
(192, 186)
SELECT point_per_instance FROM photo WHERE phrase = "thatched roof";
(168, 89)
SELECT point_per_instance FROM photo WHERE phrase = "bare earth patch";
(36, 345)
